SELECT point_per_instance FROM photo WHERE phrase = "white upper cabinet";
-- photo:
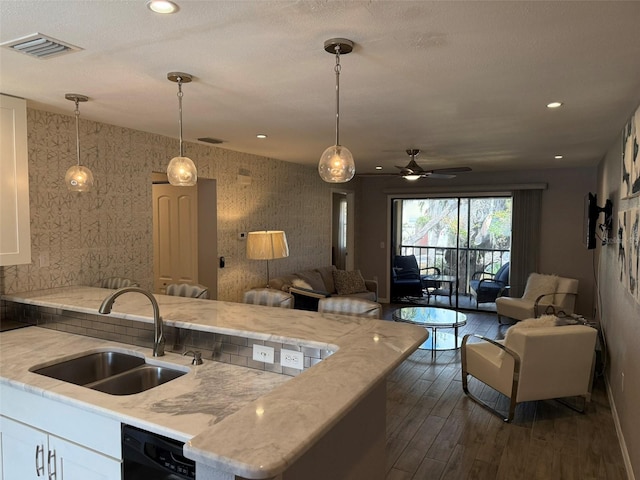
(15, 234)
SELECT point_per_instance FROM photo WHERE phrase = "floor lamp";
(267, 245)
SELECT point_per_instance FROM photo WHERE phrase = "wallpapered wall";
(108, 231)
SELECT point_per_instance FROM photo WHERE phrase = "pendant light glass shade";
(336, 163)
(78, 178)
(181, 171)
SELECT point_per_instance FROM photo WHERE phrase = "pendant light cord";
(337, 70)
(77, 112)
(180, 112)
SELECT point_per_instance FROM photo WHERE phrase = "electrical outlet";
(262, 353)
(291, 358)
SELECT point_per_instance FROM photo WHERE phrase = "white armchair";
(542, 294)
(532, 364)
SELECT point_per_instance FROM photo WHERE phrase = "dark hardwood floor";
(435, 432)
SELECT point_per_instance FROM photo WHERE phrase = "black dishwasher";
(148, 456)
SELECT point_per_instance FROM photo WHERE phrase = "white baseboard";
(616, 422)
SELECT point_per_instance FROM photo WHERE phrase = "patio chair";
(485, 287)
(405, 277)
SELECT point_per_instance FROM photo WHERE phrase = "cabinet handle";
(51, 468)
(39, 469)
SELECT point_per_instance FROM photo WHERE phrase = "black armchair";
(405, 277)
(486, 287)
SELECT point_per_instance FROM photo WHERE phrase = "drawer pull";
(51, 467)
(39, 468)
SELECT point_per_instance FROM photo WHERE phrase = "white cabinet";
(46, 439)
(29, 453)
(15, 234)
(24, 451)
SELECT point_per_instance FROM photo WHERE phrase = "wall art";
(629, 250)
(630, 186)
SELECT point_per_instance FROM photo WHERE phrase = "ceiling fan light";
(411, 178)
(336, 165)
(182, 172)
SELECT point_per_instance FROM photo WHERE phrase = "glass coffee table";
(434, 318)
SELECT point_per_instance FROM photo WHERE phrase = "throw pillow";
(327, 277)
(298, 282)
(349, 282)
(314, 279)
(543, 321)
(539, 284)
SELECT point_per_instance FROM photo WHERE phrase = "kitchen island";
(237, 422)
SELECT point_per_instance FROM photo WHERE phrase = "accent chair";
(532, 364)
(542, 294)
(355, 307)
(187, 290)
(269, 297)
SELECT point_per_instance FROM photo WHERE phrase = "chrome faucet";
(158, 340)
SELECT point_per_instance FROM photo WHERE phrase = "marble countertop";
(237, 419)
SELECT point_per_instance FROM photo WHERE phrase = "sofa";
(309, 286)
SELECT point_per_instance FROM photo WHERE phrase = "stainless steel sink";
(137, 380)
(91, 368)
(115, 373)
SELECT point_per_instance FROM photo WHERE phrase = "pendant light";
(181, 170)
(78, 178)
(336, 163)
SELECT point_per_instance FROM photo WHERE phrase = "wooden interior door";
(175, 235)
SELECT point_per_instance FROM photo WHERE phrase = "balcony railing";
(460, 262)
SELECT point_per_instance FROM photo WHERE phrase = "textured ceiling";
(465, 82)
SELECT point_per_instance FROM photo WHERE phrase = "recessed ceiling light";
(558, 157)
(261, 135)
(162, 6)
(378, 167)
(554, 105)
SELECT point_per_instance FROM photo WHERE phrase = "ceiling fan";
(413, 171)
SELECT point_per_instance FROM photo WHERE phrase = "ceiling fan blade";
(442, 176)
(451, 170)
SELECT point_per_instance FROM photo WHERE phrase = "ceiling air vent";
(215, 141)
(40, 46)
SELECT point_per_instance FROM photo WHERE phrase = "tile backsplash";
(78, 239)
(218, 347)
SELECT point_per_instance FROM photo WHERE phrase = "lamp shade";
(267, 245)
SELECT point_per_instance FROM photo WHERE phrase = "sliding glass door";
(457, 235)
